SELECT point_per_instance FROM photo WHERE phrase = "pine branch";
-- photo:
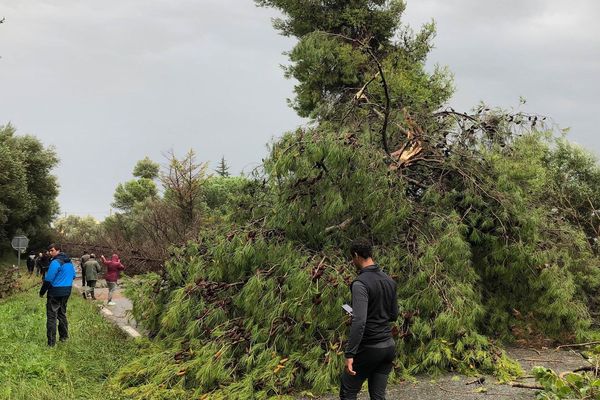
(340, 226)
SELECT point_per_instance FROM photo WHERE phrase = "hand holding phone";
(348, 309)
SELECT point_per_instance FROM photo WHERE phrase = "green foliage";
(460, 208)
(130, 193)
(222, 192)
(150, 222)
(344, 46)
(29, 191)
(76, 229)
(134, 192)
(146, 168)
(79, 368)
(569, 386)
(378, 18)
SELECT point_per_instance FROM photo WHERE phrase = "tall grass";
(77, 369)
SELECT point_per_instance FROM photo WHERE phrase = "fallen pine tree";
(469, 212)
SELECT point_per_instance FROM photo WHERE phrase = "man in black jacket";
(371, 349)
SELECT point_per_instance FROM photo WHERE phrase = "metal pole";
(20, 245)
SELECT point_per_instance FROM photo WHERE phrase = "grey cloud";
(109, 83)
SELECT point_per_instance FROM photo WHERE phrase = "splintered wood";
(413, 146)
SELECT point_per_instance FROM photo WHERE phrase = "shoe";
(111, 303)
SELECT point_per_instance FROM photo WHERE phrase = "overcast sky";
(108, 83)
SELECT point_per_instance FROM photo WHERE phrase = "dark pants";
(370, 364)
(91, 285)
(56, 307)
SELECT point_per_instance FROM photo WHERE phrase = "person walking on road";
(58, 282)
(113, 267)
(371, 349)
(89, 272)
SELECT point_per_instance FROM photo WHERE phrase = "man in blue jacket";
(57, 282)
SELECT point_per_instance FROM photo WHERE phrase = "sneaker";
(111, 303)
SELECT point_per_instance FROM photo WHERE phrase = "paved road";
(120, 313)
(453, 387)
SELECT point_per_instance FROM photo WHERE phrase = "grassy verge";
(77, 369)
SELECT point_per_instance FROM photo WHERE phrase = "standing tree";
(146, 168)
(28, 190)
(135, 191)
(223, 169)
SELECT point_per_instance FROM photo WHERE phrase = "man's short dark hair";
(55, 246)
(362, 247)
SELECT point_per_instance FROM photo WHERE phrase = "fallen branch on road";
(525, 386)
(576, 345)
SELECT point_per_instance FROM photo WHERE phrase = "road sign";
(19, 243)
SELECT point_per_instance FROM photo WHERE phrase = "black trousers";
(91, 285)
(56, 308)
(370, 364)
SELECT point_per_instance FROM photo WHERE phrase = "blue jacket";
(59, 278)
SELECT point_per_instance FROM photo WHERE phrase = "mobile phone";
(347, 308)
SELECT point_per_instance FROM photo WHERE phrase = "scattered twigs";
(576, 345)
(593, 369)
(468, 394)
(480, 381)
(537, 351)
(539, 360)
(452, 391)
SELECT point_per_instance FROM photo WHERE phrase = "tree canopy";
(28, 189)
(146, 168)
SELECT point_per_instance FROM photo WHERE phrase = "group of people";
(90, 269)
(58, 283)
(370, 349)
(38, 263)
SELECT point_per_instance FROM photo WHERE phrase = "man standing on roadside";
(57, 282)
(371, 349)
